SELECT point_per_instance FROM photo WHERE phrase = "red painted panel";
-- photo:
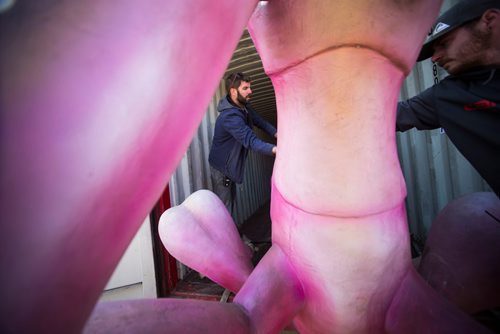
(165, 264)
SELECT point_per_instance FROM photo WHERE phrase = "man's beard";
(470, 52)
(243, 100)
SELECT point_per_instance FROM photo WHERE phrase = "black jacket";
(233, 137)
(467, 107)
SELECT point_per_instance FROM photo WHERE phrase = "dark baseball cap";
(463, 12)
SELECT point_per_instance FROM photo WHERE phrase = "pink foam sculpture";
(100, 99)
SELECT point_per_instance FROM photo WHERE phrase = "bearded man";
(234, 136)
(461, 252)
(465, 41)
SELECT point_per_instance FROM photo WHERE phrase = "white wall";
(134, 277)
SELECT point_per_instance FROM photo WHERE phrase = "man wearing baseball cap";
(465, 41)
(462, 251)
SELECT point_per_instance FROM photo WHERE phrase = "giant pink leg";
(337, 68)
(417, 308)
(99, 100)
(272, 295)
(170, 315)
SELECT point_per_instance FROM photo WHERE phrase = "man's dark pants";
(224, 188)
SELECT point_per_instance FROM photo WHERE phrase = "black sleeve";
(418, 112)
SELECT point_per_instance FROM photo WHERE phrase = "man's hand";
(274, 150)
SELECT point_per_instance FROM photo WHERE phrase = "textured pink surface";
(168, 316)
(192, 229)
(99, 101)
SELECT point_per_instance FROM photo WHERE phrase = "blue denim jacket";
(233, 137)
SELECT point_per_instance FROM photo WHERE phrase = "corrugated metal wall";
(434, 170)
